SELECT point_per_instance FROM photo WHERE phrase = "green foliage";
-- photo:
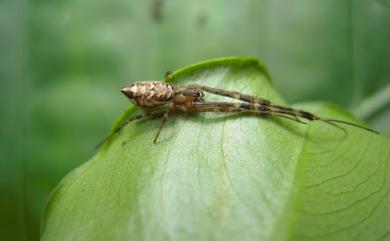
(225, 177)
(62, 63)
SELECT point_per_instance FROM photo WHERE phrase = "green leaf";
(81, 51)
(214, 176)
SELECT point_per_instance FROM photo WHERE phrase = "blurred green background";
(63, 62)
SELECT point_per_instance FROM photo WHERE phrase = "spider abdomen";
(149, 93)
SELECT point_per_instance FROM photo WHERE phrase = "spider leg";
(233, 94)
(248, 108)
(130, 119)
(282, 112)
(238, 107)
(163, 120)
(168, 76)
(311, 117)
(250, 99)
(233, 109)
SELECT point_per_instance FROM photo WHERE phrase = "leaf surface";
(215, 176)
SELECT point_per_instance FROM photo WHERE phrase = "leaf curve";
(219, 177)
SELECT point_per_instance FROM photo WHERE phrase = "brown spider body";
(156, 93)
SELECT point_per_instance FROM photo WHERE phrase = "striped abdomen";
(149, 93)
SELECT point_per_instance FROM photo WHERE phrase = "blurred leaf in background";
(13, 115)
(64, 61)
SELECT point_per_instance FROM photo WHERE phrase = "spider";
(167, 97)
